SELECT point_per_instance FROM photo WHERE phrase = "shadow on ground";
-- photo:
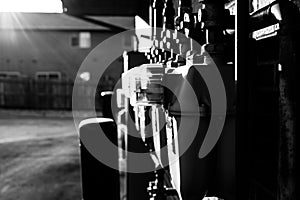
(39, 159)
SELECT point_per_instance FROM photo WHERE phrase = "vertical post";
(242, 168)
(289, 53)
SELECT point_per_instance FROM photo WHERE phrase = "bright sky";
(47, 6)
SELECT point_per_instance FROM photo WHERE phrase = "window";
(10, 75)
(48, 76)
(82, 40)
(74, 41)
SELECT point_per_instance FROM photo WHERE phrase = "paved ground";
(39, 159)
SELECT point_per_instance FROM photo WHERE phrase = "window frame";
(80, 36)
(8, 73)
(48, 73)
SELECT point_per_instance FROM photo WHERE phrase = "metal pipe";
(264, 17)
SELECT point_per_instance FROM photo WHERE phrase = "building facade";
(47, 45)
(40, 54)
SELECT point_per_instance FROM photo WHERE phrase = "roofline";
(100, 15)
(108, 26)
(101, 23)
(57, 30)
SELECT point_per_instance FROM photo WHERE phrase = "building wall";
(29, 52)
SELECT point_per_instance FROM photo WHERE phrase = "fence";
(46, 95)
